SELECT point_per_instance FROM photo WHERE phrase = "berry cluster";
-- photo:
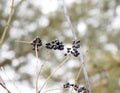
(55, 45)
(76, 44)
(76, 88)
(36, 43)
(74, 49)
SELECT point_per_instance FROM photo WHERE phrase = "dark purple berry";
(72, 85)
(67, 85)
(78, 42)
(65, 54)
(37, 42)
(76, 87)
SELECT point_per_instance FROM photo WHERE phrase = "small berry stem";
(23, 42)
(78, 74)
(36, 52)
(36, 69)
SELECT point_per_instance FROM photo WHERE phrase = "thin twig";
(68, 20)
(36, 52)
(77, 77)
(85, 72)
(59, 66)
(37, 80)
(5, 87)
(2, 83)
(1, 80)
(40, 71)
(3, 69)
(8, 22)
(74, 38)
(55, 89)
(23, 42)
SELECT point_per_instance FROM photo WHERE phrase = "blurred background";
(97, 25)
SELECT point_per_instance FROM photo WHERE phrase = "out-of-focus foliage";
(96, 23)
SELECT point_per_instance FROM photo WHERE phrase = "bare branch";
(59, 66)
(68, 20)
(74, 38)
(3, 85)
(8, 23)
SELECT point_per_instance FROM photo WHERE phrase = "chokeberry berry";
(76, 44)
(75, 87)
(36, 43)
(82, 90)
(55, 45)
(67, 85)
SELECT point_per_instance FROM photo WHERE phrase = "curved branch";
(8, 23)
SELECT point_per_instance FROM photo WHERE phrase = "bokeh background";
(97, 25)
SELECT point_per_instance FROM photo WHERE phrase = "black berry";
(67, 85)
(36, 43)
(55, 45)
